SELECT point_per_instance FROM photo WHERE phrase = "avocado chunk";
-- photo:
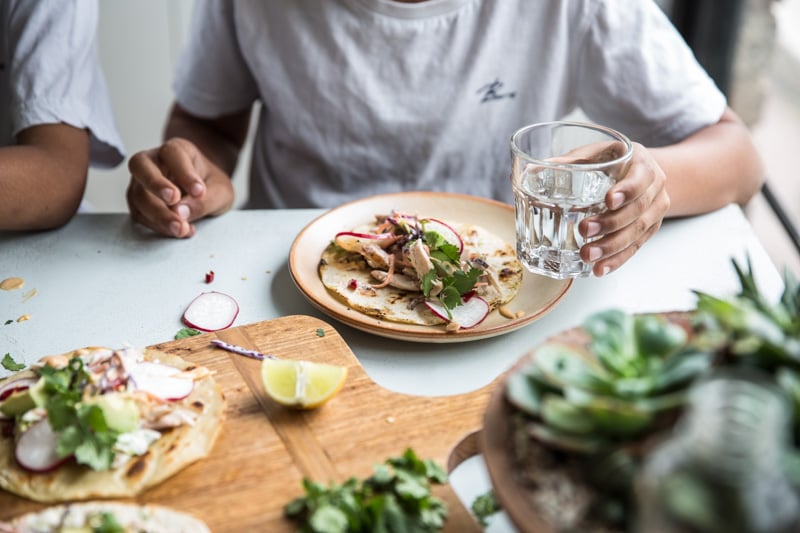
(120, 413)
(23, 400)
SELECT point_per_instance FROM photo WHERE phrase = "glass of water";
(560, 174)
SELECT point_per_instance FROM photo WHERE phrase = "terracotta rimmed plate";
(537, 295)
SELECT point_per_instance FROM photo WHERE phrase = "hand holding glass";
(560, 174)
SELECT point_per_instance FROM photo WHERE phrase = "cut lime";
(302, 384)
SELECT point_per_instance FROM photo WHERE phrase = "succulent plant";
(610, 386)
(751, 330)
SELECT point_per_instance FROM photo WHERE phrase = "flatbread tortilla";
(78, 516)
(174, 450)
(347, 276)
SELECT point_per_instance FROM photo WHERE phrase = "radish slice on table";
(36, 448)
(211, 311)
(352, 241)
(445, 230)
(467, 315)
(161, 380)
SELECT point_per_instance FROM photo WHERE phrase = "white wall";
(140, 41)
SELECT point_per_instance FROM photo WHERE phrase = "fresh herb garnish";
(9, 363)
(81, 427)
(320, 332)
(105, 522)
(184, 333)
(454, 287)
(484, 506)
(9, 321)
(397, 497)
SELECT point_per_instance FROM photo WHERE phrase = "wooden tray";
(265, 450)
(496, 440)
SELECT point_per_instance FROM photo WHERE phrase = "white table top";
(102, 281)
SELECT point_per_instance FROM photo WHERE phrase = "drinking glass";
(560, 174)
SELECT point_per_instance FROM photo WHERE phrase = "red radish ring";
(211, 311)
(36, 448)
(445, 230)
(467, 315)
(10, 387)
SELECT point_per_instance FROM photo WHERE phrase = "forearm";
(714, 167)
(218, 140)
(43, 178)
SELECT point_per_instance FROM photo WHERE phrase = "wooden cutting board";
(265, 450)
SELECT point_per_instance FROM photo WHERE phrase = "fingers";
(161, 181)
(185, 166)
(637, 205)
(151, 211)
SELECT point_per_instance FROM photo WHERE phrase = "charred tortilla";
(347, 276)
(177, 448)
(92, 516)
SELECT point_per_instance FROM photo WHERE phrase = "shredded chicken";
(398, 281)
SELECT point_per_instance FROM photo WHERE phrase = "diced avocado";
(24, 400)
(119, 412)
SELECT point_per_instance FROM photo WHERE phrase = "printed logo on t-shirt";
(492, 91)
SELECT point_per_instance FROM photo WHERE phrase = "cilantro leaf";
(105, 522)
(465, 281)
(450, 297)
(82, 428)
(9, 363)
(485, 506)
(397, 497)
(427, 282)
(184, 333)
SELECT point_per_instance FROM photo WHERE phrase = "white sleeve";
(636, 74)
(212, 77)
(55, 74)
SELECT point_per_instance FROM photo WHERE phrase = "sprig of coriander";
(454, 287)
(484, 506)
(9, 363)
(184, 333)
(83, 431)
(397, 497)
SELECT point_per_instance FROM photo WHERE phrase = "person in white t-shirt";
(361, 97)
(55, 117)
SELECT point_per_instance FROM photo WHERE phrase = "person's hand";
(173, 185)
(637, 205)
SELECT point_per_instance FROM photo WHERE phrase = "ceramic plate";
(537, 295)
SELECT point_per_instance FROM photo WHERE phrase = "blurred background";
(750, 47)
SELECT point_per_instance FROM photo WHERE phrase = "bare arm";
(714, 167)
(43, 177)
(187, 177)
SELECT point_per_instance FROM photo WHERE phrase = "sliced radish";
(160, 380)
(211, 311)
(36, 448)
(10, 387)
(445, 230)
(467, 315)
(351, 240)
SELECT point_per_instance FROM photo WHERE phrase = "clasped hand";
(174, 185)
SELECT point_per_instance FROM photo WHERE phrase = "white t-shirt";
(50, 73)
(363, 97)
